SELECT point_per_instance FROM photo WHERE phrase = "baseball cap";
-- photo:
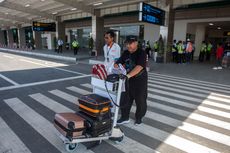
(130, 39)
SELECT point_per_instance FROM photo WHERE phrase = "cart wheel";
(70, 147)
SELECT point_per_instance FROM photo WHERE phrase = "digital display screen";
(151, 14)
(39, 26)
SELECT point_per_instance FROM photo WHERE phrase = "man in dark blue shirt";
(134, 61)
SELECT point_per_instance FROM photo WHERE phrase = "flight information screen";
(39, 26)
(151, 14)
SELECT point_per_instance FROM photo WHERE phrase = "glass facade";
(82, 36)
(15, 35)
(123, 31)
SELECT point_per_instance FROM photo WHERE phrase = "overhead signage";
(151, 14)
(39, 26)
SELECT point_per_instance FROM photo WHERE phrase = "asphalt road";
(184, 115)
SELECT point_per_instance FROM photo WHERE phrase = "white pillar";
(180, 30)
(199, 37)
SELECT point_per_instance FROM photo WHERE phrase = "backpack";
(99, 71)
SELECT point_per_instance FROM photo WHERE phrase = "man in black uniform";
(134, 61)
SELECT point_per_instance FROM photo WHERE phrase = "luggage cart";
(115, 133)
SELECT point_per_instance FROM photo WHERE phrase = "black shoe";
(122, 121)
(138, 122)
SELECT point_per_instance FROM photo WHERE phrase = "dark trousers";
(208, 55)
(201, 56)
(180, 58)
(60, 49)
(188, 57)
(174, 56)
(75, 50)
(137, 91)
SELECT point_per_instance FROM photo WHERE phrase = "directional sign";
(39, 26)
(151, 14)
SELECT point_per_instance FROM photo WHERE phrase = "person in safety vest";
(112, 50)
(209, 50)
(180, 50)
(75, 46)
(202, 51)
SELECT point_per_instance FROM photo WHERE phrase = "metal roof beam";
(24, 9)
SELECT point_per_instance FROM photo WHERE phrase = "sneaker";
(122, 121)
(138, 122)
(219, 68)
(214, 68)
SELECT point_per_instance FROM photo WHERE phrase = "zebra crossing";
(183, 115)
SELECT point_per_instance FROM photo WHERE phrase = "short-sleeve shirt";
(111, 54)
(130, 60)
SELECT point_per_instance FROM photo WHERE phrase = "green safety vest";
(209, 48)
(75, 44)
(155, 45)
(180, 48)
(203, 48)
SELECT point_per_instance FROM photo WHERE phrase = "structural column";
(37, 35)
(10, 37)
(98, 32)
(2, 37)
(60, 30)
(200, 36)
(21, 37)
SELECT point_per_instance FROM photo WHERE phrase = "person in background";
(134, 61)
(219, 56)
(209, 50)
(188, 51)
(112, 50)
(148, 48)
(174, 51)
(60, 44)
(75, 46)
(180, 52)
(156, 49)
(202, 51)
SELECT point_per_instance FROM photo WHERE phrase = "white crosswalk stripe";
(205, 119)
(15, 145)
(201, 119)
(39, 123)
(185, 126)
(125, 146)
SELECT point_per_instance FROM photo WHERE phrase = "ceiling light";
(27, 5)
(211, 24)
(219, 28)
(96, 4)
(6, 13)
(54, 12)
(73, 9)
(2, 1)
(42, 0)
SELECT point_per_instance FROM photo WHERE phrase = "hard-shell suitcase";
(226, 61)
(96, 127)
(94, 105)
(69, 125)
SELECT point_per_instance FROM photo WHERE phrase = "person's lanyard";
(108, 51)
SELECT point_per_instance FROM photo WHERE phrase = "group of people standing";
(75, 46)
(182, 52)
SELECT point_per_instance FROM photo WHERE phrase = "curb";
(71, 59)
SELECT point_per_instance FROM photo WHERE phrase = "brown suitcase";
(69, 125)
